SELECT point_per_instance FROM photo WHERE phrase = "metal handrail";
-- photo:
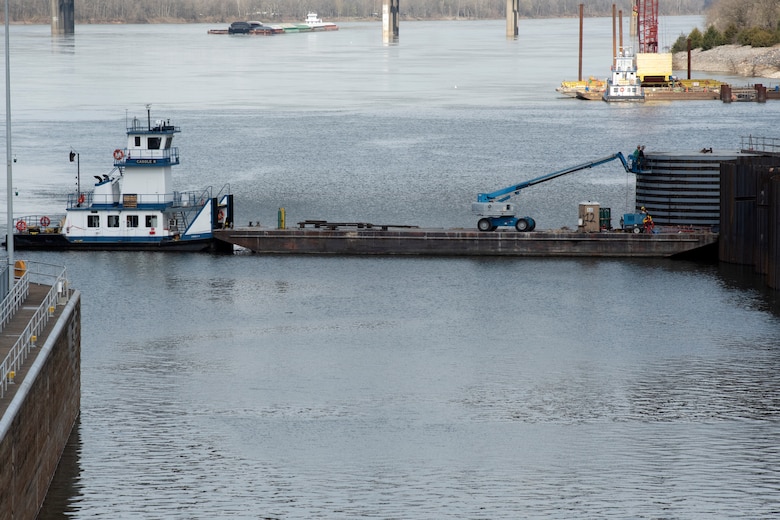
(14, 300)
(40, 273)
(176, 199)
(761, 144)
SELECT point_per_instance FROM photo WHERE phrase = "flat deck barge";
(367, 239)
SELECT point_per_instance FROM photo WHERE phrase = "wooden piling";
(725, 93)
(614, 37)
(760, 93)
(579, 75)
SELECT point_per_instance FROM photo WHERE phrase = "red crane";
(647, 24)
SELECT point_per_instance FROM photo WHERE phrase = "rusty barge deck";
(367, 239)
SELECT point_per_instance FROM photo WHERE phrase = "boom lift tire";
(522, 225)
(484, 224)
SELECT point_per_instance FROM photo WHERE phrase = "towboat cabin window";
(168, 142)
(138, 141)
(151, 221)
(132, 221)
(93, 220)
(154, 143)
(113, 221)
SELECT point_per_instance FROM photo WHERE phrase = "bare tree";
(150, 11)
(743, 14)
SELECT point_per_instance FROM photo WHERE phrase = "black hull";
(53, 242)
(466, 242)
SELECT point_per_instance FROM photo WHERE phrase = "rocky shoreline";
(761, 62)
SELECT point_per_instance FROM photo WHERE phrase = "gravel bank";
(763, 62)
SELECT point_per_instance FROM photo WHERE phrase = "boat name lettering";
(146, 161)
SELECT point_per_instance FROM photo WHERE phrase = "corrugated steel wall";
(682, 189)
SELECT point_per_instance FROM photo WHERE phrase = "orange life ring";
(21, 225)
(220, 215)
(45, 221)
(119, 155)
(621, 89)
(81, 198)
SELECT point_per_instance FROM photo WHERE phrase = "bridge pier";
(390, 10)
(390, 21)
(512, 15)
(63, 16)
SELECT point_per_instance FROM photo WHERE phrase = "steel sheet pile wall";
(773, 230)
(682, 189)
(750, 232)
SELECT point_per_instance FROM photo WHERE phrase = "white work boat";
(134, 206)
(624, 84)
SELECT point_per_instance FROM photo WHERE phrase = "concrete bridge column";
(390, 20)
(512, 14)
(63, 16)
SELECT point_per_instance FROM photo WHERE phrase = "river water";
(303, 387)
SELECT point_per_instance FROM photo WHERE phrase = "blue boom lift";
(495, 211)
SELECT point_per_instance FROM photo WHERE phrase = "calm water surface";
(293, 387)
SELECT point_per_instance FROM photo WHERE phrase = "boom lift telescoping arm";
(496, 211)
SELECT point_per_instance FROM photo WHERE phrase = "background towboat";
(134, 206)
(624, 84)
(312, 23)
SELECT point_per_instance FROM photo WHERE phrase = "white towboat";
(316, 23)
(624, 84)
(134, 206)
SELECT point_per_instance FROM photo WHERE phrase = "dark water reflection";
(342, 387)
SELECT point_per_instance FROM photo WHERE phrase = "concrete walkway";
(15, 328)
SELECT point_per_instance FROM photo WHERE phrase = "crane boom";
(497, 212)
(505, 193)
(647, 21)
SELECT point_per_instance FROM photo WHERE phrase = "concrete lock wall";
(41, 415)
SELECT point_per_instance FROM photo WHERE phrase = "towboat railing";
(27, 273)
(753, 143)
(151, 157)
(224, 190)
(32, 224)
(140, 125)
(186, 199)
(177, 199)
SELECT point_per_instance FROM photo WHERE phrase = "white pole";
(9, 241)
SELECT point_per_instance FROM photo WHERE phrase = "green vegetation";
(742, 22)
